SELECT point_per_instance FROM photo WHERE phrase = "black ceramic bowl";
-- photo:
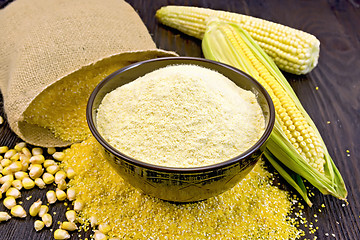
(181, 184)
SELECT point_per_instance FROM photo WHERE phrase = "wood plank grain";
(337, 99)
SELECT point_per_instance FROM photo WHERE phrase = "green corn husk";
(292, 178)
(280, 152)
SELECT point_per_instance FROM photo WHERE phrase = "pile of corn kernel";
(253, 209)
(24, 168)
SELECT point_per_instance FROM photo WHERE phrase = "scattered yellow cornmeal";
(62, 106)
(253, 209)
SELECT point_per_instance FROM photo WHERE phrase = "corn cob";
(295, 143)
(292, 50)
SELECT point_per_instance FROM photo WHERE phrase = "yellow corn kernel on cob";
(295, 141)
(292, 50)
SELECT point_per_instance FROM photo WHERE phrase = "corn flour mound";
(181, 116)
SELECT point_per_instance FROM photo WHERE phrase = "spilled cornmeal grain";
(253, 209)
(61, 107)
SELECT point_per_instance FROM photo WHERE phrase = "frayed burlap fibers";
(43, 42)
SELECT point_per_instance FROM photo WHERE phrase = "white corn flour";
(181, 116)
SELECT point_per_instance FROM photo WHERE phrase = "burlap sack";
(42, 41)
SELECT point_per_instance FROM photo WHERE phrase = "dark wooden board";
(337, 100)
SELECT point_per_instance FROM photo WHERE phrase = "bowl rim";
(117, 153)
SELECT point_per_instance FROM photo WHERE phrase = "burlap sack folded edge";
(39, 136)
(69, 35)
